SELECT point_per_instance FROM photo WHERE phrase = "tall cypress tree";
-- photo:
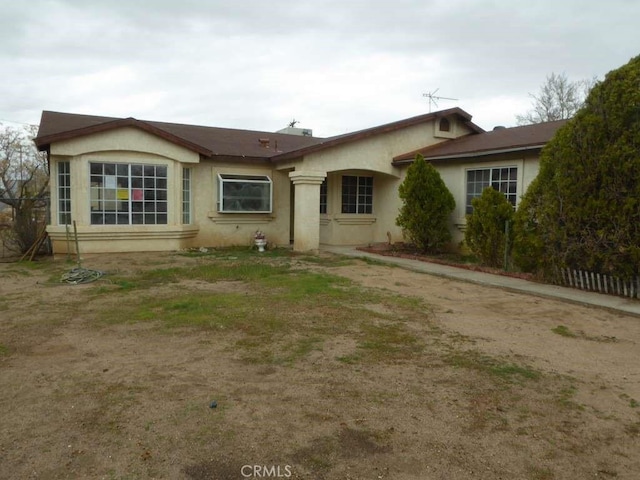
(583, 210)
(427, 204)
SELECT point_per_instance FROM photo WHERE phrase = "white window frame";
(64, 193)
(232, 178)
(501, 185)
(187, 214)
(142, 199)
(324, 195)
(362, 196)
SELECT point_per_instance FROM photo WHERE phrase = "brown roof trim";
(407, 161)
(506, 140)
(370, 132)
(239, 159)
(44, 142)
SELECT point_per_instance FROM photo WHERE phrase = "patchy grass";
(323, 452)
(270, 300)
(326, 260)
(563, 331)
(388, 341)
(633, 403)
(491, 366)
(565, 398)
(307, 368)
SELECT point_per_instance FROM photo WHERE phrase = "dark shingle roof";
(214, 141)
(496, 141)
(380, 129)
(208, 141)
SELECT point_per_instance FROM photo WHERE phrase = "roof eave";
(237, 158)
(381, 129)
(44, 142)
(406, 161)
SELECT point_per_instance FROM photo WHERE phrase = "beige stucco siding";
(369, 157)
(127, 139)
(454, 175)
(362, 157)
(229, 229)
(121, 146)
(531, 169)
(374, 153)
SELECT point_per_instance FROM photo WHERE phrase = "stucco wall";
(208, 227)
(127, 139)
(230, 229)
(125, 145)
(370, 157)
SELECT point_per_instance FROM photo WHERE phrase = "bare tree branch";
(24, 182)
(558, 99)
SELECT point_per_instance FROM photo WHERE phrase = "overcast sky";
(335, 65)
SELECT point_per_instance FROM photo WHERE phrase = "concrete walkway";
(610, 302)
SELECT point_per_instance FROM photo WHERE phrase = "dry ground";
(408, 376)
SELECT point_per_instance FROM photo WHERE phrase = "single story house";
(505, 158)
(136, 185)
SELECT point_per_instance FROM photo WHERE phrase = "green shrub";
(426, 207)
(527, 250)
(485, 233)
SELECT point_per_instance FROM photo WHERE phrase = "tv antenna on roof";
(433, 99)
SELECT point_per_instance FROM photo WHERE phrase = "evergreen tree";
(528, 250)
(426, 207)
(485, 233)
(583, 212)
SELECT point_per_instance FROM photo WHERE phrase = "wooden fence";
(597, 282)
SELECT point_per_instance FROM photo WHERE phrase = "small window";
(503, 179)
(186, 196)
(244, 193)
(64, 193)
(445, 125)
(323, 196)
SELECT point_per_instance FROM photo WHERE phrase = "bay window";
(128, 194)
(244, 193)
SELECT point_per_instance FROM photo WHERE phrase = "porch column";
(306, 210)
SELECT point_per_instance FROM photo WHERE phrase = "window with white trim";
(244, 193)
(186, 196)
(357, 194)
(323, 196)
(64, 193)
(128, 194)
(503, 179)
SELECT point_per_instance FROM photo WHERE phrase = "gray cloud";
(337, 66)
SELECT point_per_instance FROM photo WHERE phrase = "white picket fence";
(597, 282)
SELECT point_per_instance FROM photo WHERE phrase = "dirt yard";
(398, 375)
